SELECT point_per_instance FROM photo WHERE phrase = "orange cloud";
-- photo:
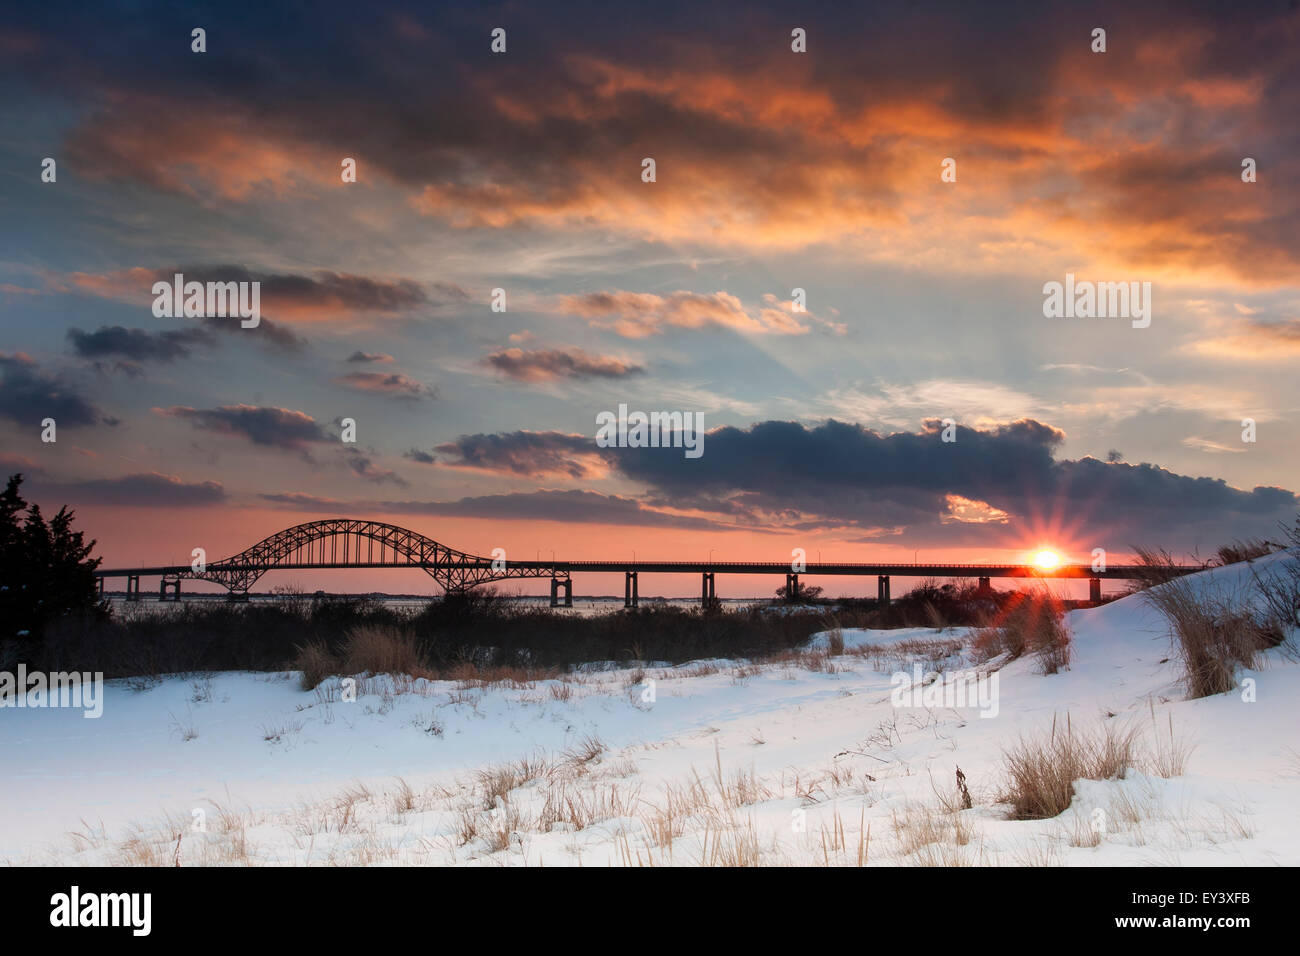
(639, 314)
(1129, 160)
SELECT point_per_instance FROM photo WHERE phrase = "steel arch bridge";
(358, 543)
(354, 543)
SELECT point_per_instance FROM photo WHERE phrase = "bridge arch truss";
(359, 543)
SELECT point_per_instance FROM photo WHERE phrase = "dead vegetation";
(1041, 772)
(1215, 631)
(1030, 623)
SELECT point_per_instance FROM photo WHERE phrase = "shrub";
(315, 663)
(1248, 550)
(382, 650)
(1279, 587)
(46, 573)
(1042, 772)
(1031, 623)
(1213, 633)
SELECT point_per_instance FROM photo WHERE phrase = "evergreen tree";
(46, 571)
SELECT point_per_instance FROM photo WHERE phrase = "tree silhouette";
(805, 592)
(46, 571)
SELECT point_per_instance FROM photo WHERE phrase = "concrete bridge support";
(133, 587)
(101, 586)
(707, 593)
(1094, 590)
(561, 584)
(985, 587)
(174, 586)
(630, 596)
(882, 589)
(791, 588)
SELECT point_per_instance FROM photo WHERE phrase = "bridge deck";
(544, 568)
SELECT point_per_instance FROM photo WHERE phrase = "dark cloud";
(363, 467)
(571, 507)
(547, 133)
(544, 365)
(422, 457)
(359, 356)
(839, 476)
(788, 459)
(266, 332)
(393, 384)
(137, 344)
(269, 427)
(141, 490)
(334, 292)
(449, 293)
(28, 395)
(323, 295)
(525, 453)
(120, 367)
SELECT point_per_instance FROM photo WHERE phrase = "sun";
(1047, 559)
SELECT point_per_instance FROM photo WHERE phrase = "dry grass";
(1042, 772)
(835, 843)
(585, 751)
(1214, 632)
(402, 798)
(184, 729)
(1037, 853)
(314, 662)
(579, 807)
(741, 673)
(1168, 753)
(816, 660)
(495, 783)
(728, 843)
(1029, 624)
(937, 653)
(274, 733)
(928, 836)
(382, 650)
(1083, 832)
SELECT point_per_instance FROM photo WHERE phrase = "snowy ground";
(806, 761)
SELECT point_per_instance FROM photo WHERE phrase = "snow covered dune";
(815, 758)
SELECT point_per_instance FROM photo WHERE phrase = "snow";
(768, 763)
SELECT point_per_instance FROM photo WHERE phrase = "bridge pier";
(1094, 590)
(882, 589)
(558, 584)
(100, 581)
(133, 587)
(985, 587)
(791, 588)
(630, 596)
(708, 595)
(174, 586)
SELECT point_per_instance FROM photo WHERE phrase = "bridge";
(356, 543)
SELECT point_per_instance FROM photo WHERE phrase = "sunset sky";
(775, 171)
